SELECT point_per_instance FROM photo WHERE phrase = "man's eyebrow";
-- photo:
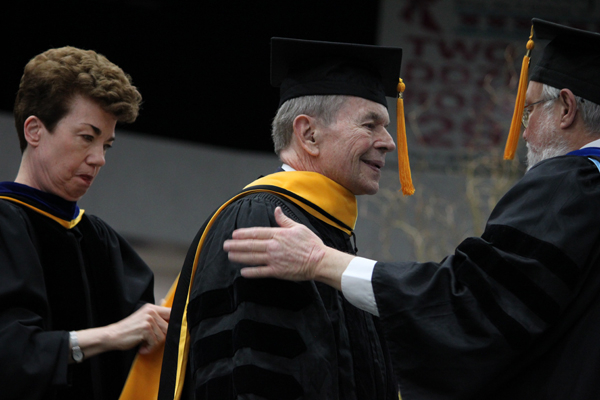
(377, 117)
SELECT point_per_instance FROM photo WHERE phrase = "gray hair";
(590, 112)
(325, 108)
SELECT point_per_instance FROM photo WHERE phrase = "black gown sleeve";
(458, 326)
(264, 338)
(31, 358)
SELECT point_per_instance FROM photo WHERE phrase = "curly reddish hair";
(53, 78)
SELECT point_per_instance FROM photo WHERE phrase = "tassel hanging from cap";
(403, 164)
(515, 126)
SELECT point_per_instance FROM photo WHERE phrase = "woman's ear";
(304, 132)
(32, 129)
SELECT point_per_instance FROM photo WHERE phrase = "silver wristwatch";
(76, 352)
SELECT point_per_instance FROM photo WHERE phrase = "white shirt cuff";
(356, 284)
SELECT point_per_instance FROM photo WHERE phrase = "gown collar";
(316, 194)
(66, 213)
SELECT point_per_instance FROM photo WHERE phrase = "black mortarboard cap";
(307, 67)
(570, 60)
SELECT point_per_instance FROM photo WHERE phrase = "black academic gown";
(272, 339)
(54, 280)
(514, 314)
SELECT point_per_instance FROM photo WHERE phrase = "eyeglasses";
(527, 110)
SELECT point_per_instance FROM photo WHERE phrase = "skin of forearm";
(332, 266)
(93, 342)
(146, 327)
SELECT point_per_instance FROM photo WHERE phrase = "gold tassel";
(515, 126)
(403, 164)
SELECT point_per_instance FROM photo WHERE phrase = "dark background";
(202, 67)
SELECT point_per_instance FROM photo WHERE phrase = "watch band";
(76, 352)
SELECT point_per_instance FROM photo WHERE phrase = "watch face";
(77, 354)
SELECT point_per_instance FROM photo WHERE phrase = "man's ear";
(568, 108)
(304, 132)
(32, 129)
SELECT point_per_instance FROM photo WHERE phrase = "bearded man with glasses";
(558, 123)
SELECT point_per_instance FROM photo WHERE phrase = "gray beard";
(554, 144)
(554, 150)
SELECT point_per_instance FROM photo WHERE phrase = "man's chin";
(369, 189)
(534, 157)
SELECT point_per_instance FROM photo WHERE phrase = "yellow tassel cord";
(144, 376)
(403, 164)
(515, 126)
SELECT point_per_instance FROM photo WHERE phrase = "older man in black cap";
(514, 314)
(231, 337)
